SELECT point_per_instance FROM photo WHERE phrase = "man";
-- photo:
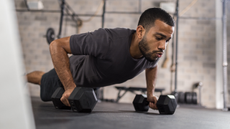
(107, 56)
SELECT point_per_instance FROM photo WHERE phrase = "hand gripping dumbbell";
(81, 99)
(166, 104)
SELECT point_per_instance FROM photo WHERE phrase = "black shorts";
(49, 83)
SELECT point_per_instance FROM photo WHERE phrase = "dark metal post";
(61, 18)
(225, 61)
(103, 15)
(100, 92)
(172, 57)
(27, 5)
(176, 45)
(139, 6)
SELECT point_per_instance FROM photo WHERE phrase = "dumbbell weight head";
(82, 99)
(167, 104)
(56, 96)
(140, 103)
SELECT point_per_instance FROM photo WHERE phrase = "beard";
(144, 48)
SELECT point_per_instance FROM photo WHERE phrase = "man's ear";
(140, 31)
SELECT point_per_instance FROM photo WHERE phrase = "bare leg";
(35, 77)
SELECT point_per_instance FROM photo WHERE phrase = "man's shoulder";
(117, 32)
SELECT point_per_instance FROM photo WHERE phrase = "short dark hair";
(149, 16)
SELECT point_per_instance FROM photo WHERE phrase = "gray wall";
(196, 55)
(228, 46)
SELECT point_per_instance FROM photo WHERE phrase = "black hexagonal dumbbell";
(81, 99)
(166, 104)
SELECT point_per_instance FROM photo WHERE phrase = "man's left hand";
(152, 102)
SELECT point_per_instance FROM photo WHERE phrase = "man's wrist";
(149, 94)
(70, 86)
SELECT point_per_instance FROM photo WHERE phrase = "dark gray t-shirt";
(102, 58)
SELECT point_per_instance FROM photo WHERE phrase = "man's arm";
(150, 74)
(59, 50)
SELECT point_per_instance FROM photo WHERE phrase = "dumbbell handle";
(147, 102)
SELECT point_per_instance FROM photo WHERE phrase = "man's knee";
(45, 97)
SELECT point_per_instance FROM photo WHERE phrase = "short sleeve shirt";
(102, 58)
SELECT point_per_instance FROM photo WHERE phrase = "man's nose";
(162, 45)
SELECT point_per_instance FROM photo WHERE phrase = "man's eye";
(158, 38)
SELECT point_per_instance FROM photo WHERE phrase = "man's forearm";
(61, 64)
(151, 80)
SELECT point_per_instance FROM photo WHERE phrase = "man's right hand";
(66, 95)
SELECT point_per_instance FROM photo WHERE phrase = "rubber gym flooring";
(122, 116)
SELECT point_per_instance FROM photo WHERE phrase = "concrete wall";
(196, 55)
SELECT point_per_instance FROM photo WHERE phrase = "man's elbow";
(60, 45)
(53, 47)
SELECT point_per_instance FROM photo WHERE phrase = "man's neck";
(134, 47)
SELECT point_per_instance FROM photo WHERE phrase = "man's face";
(154, 41)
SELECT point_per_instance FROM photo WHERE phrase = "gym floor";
(122, 115)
